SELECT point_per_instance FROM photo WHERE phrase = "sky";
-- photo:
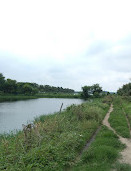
(66, 43)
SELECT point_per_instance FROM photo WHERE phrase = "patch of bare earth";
(126, 153)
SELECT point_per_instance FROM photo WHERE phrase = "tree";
(2, 82)
(86, 92)
(125, 90)
(10, 86)
(27, 89)
(94, 90)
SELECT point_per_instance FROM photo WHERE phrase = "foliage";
(54, 141)
(125, 90)
(10, 86)
(94, 90)
(108, 99)
(126, 103)
(118, 119)
(2, 82)
(102, 153)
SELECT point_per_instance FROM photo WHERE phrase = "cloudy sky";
(68, 43)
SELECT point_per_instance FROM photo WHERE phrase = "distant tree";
(2, 82)
(93, 90)
(96, 89)
(27, 89)
(86, 92)
(10, 86)
(125, 90)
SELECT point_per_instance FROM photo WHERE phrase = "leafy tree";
(10, 86)
(86, 92)
(125, 90)
(2, 82)
(94, 90)
(27, 89)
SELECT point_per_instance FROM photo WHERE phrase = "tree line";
(9, 86)
(125, 90)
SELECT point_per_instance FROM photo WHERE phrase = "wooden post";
(61, 108)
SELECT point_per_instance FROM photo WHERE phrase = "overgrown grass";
(127, 108)
(5, 98)
(12, 97)
(59, 95)
(102, 154)
(118, 119)
(54, 142)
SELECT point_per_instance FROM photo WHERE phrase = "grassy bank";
(5, 98)
(58, 95)
(103, 154)
(55, 141)
(126, 103)
(12, 97)
(118, 119)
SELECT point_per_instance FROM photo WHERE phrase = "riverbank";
(10, 98)
(4, 98)
(109, 150)
(55, 141)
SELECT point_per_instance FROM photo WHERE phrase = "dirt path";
(126, 153)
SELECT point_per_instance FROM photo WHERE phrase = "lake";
(14, 114)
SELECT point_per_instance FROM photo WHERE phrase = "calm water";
(14, 114)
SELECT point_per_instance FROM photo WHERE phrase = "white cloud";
(66, 42)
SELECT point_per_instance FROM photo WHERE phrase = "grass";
(4, 98)
(126, 103)
(102, 154)
(54, 141)
(118, 119)
(58, 95)
(9, 97)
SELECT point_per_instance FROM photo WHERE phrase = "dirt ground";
(126, 153)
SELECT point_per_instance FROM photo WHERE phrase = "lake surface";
(14, 114)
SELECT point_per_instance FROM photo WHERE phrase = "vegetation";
(118, 119)
(103, 153)
(9, 86)
(54, 141)
(58, 95)
(89, 91)
(12, 97)
(125, 90)
(126, 103)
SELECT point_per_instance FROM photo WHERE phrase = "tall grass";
(102, 154)
(9, 97)
(15, 97)
(118, 119)
(54, 141)
(127, 108)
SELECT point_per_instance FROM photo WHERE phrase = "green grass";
(58, 95)
(118, 119)
(4, 98)
(127, 108)
(55, 141)
(102, 154)
(11, 97)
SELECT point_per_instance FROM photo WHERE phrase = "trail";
(126, 153)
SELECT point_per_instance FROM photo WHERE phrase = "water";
(14, 114)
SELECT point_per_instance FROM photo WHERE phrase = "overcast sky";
(68, 43)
